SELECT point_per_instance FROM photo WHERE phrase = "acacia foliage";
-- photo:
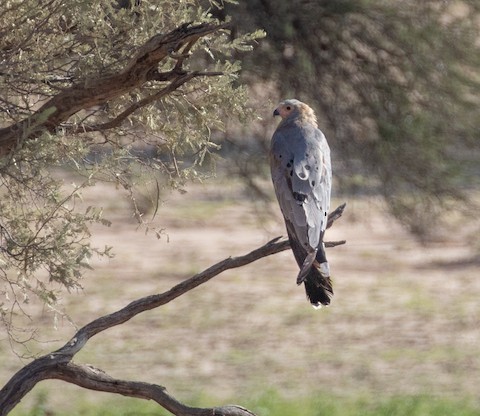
(113, 91)
(396, 84)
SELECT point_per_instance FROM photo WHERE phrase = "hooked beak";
(276, 112)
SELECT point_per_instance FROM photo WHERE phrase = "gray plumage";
(301, 174)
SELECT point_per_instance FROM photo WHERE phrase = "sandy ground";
(405, 318)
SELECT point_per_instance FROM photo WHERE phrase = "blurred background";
(395, 88)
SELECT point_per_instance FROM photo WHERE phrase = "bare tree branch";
(59, 365)
(332, 217)
(94, 379)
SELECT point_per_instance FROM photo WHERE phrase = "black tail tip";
(318, 295)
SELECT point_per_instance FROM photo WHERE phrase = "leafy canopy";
(112, 91)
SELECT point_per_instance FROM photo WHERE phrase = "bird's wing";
(301, 173)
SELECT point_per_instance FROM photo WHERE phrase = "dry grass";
(404, 318)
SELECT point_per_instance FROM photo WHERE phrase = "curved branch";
(58, 363)
(94, 379)
(174, 85)
(182, 79)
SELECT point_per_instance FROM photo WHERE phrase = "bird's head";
(295, 109)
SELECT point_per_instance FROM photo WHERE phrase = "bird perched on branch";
(302, 176)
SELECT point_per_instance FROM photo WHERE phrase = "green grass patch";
(271, 403)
